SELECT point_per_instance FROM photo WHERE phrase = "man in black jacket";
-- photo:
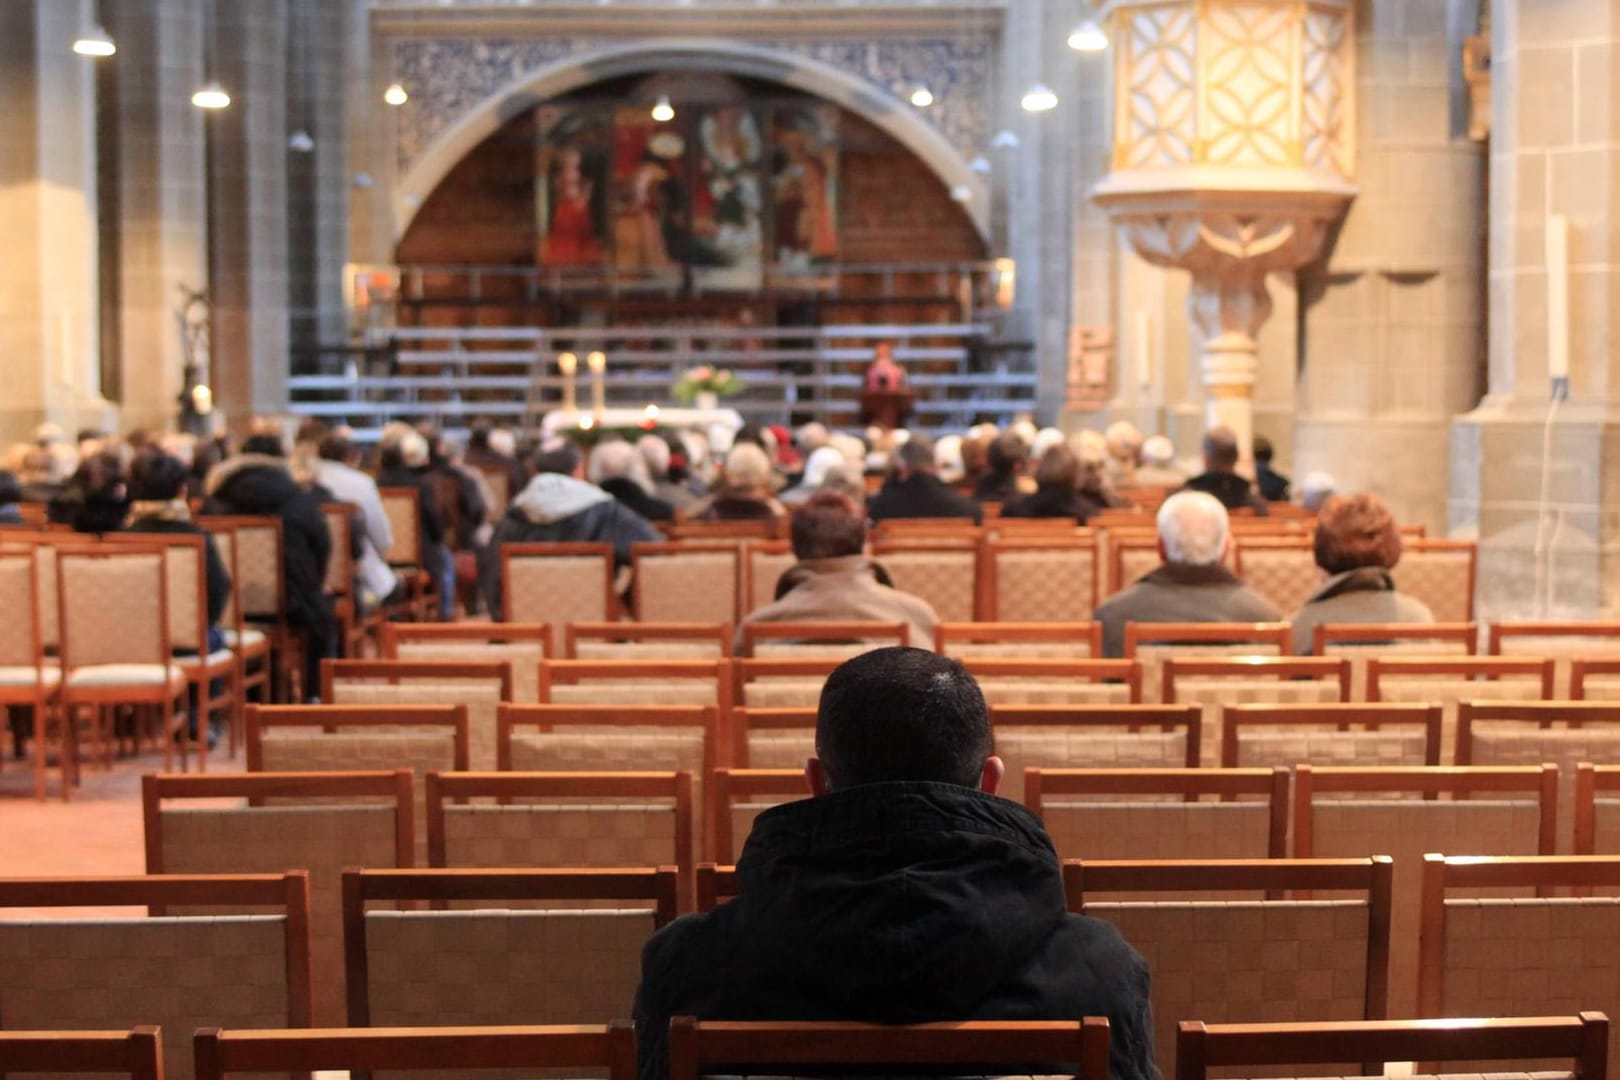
(916, 490)
(903, 892)
(1220, 477)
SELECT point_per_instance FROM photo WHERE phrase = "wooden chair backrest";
(557, 583)
(403, 508)
(1031, 640)
(378, 727)
(1039, 579)
(259, 573)
(1327, 731)
(1441, 573)
(685, 582)
(597, 742)
(734, 797)
(1440, 638)
(137, 1052)
(647, 640)
(809, 639)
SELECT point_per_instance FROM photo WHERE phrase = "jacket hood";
(1361, 579)
(252, 483)
(552, 497)
(921, 896)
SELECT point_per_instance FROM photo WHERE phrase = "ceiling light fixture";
(211, 95)
(1088, 37)
(395, 95)
(1039, 98)
(95, 43)
(922, 97)
(663, 112)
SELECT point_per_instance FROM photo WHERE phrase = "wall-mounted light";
(1039, 98)
(1088, 37)
(211, 95)
(663, 112)
(980, 165)
(1004, 140)
(96, 42)
(300, 142)
(961, 193)
(922, 97)
(395, 95)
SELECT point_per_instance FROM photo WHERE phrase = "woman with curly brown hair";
(1357, 545)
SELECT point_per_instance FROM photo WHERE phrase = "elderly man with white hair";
(619, 469)
(1193, 585)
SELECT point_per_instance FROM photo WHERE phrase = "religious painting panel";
(727, 246)
(572, 160)
(804, 186)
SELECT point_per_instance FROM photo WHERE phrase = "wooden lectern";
(886, 408)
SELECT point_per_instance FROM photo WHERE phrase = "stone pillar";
(249, 211)
(1393, 342)
(1548, 523)
(162, 196)
(318, 212)
(49, 294)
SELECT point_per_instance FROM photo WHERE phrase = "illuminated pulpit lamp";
(597, 362)
(649, 417)
(568, 364)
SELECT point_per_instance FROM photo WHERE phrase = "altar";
(561, 421)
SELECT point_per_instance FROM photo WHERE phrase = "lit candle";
(597, 362)
(650, 412)
(568, 364)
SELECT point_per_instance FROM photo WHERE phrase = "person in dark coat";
(1003, 460)
(1057, 490)
(405, 463)
(158, 488)
(95, 498)
(558, 506)
(1220, 477)
(916, 490)
(258, 482)
(904, 891)
(10, 499)
(1273, 485)
(619, 469)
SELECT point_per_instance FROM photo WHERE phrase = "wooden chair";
(944, 572)
(178, 972)
(685, 582)
(1592, 679)
(354, 622)
(1093, 736)
(1239, 680)
(1562, 947)
(479, 685)
(772, 738)
(1241, 960)
(737, 796)
(557, 583)
(927, 528)
(494, 963)
(1152, 643)
(454, 1051)
(25, 678)
(403, 508)
(254, 659)
(647, 641)
(1006, 681)
(776, 683)
(318, 822)
(137, 1053)
(1563, 733)
(1447, 681)
(816, 640)
(603, 819)
(733, 531)
(636, 682)
(1518, 1044)
(185, 577)
(700, 1048)
(1406, 812)
(1038, 579)
(1563, 641)
(1597, 817)
(1018, 641)
(1162, 813)
(764, 563)
(523, 644)
(1356, 734)
(1424, 639)
(606, 738)
(113, 614)
(1441, 574)
(1280, 568)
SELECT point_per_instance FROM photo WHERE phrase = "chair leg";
(40, 724)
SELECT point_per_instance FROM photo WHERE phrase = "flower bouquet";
(705, 385)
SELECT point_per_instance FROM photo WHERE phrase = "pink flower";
(702, 374)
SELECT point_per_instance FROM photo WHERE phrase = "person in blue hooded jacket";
(903, 891)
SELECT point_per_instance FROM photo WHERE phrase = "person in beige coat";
(834, 581)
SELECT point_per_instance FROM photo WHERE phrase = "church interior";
(448, 446)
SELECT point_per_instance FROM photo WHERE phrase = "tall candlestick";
(597, 362)
(568, 364)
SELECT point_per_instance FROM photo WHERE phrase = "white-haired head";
(747, 468)
(613, 459)
(948, 458)
(1089, 446)
(413, 449)
(1315, 489)
(851, 446)
(1193, 529)
(811, 436)
(1026, 431)
(655, 452)
(822, 460)
(1158, 451)
(1124, 440)
(502, 442)
(1045, 439)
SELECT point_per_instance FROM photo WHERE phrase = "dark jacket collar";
(1361, 579)
(1182, 574)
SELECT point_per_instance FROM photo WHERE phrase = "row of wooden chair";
(1048, 576)
(699, 1048)
(1234, 940)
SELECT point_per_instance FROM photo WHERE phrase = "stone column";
(1393, 341)
(49, 294)
(162, 196)
(318, 213)
(249, 211)
(1549, 523)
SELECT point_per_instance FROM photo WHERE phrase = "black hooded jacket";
(896, 903)
(262, 486)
